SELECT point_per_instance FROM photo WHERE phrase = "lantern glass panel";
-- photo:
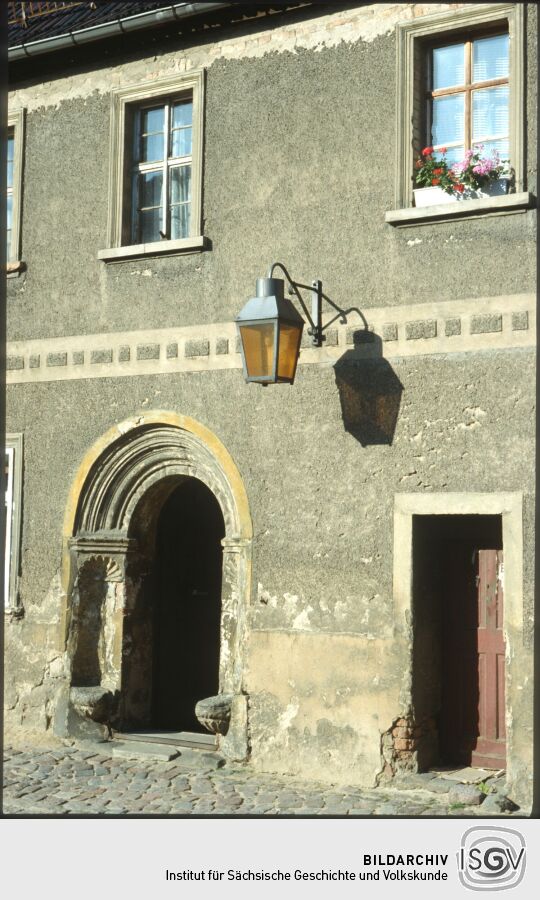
(258, 343)
(289, 339)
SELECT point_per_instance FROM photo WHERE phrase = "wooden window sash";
(466, 89)
(163, 166)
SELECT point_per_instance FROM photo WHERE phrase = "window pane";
(181, 142)
(182, 114)
(490, 113)
(455, 154)
(150, 188)
(180, 216)
(491, 58)
(501, 147)
(448, 115)
(180, 184)
(152, 120)
(151, 134)
(9, 210)
(8, 247)
(10, 149)
(150, 225)
(448, 66)
(152, 148)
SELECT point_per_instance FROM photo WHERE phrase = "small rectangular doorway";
(459, 650)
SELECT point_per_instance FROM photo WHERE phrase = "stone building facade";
(297, 551)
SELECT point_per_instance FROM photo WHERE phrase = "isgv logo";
(491, 858)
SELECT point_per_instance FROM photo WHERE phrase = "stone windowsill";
(157, 248)
(466, 209)
(14, 269)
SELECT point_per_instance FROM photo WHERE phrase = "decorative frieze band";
(447, 327)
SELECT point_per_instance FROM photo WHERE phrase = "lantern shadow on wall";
(369, 391)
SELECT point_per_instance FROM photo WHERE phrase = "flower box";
(434, 196)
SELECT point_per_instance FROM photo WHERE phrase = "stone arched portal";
(112, 511)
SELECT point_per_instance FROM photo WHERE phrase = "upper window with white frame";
(156, 168)
(15, 143)
(161, 175)
(468, 95)
(461, 84)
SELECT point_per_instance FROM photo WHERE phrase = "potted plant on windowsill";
(475, 177)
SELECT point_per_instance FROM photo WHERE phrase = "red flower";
(435, 180)
(427, 151)
(437, 171)
(442, 150)
(459, 188)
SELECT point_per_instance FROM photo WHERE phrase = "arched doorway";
(159, 502)
(187, 609)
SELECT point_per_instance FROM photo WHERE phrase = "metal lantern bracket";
(316, 328)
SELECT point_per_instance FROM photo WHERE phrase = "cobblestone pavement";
(91, 780)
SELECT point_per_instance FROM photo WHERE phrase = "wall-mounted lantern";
(270, 328)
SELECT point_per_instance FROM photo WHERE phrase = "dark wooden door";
(472, 719)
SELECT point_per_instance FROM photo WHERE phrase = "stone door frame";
(518, 660)
(117, 471)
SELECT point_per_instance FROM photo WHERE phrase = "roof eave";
(121, 25)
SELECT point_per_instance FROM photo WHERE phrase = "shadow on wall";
(369, 391)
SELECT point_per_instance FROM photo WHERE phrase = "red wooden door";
(490, 746)
(472, 718)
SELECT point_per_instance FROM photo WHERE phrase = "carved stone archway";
(130, 464)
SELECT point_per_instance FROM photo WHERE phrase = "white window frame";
(15, 125)
(412, 38)
(124, 102)
(12, 505)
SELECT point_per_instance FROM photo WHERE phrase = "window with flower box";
(460, 86)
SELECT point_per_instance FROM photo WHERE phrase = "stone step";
(140, 750)
(176, 738)
(200, 760)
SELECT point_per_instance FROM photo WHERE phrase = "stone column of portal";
(106, 556)
(235, 598)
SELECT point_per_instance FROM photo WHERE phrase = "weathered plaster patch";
(363, 24)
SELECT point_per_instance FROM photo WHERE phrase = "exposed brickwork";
(405, 744)
(172, 350)
(77, 358)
